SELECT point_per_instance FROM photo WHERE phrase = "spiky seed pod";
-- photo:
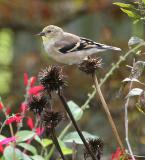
(37, 103)
(90, 65)
(96, 145)
(52, 78)
(50, 119)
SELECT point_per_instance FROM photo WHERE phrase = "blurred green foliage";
(6, 57)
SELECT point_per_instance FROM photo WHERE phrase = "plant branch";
(54, 138)
(104, 104)
(111, 71)
(60, 137)
(63, 100)
(126, 124)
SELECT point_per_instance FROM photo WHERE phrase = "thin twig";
(74, 148)
(54, 138)
(104, 104)
(126, 124)
(60, 137)
(63, 100)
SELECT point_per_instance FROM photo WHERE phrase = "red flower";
(16, 118)
(23, 107)
(8, 110)
(39, 131)
(1, 148)
(30, 123)
(36, 89)
(1, 106)
(117, 155)
(25, 79)
(8, 140)
(32, 81)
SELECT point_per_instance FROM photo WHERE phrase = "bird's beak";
(40, 34)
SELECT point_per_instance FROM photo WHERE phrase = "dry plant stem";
(111, 71)
(74, 154)
(55, 141)
(63, 100)
(104, 104)
(126, 124)
(102, 81)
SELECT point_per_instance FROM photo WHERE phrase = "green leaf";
(139, 107)
(130, 13)
(28, 147)
(143, 1)
(135, 92)
(37, 157)
(131, 80)
(46, 142)
(37, 138)
(135, 41)
(64, 148)
(75, 109)
(10, 152)
(73, 136)
(135, 21)
(24, 135)
(2, 137)
(2, 158)
(124, 5)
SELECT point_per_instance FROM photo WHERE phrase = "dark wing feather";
(83, 44)
(67, 48)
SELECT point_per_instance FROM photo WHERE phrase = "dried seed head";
(37, 103)
(137, 69)
(96, 145)
(90, 65)
(50, 119)
(52, 78)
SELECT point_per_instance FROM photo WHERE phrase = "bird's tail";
(111, 48)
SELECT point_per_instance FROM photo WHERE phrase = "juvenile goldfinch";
(68, 48)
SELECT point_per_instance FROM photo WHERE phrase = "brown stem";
(126, 123)
(104, 104)
(54, 138)
(74, 148)
(63, 100)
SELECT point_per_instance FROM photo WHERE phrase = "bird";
(68, 48)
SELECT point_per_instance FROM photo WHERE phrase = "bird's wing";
(71, 43)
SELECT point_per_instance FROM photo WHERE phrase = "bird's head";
(50, 32)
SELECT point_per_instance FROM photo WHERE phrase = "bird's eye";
(48, 31)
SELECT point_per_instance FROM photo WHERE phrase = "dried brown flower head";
(50, 119)
(52, 78)
(37, 103)
(90, 65)
(96, 145)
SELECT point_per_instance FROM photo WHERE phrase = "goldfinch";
(68, 48)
